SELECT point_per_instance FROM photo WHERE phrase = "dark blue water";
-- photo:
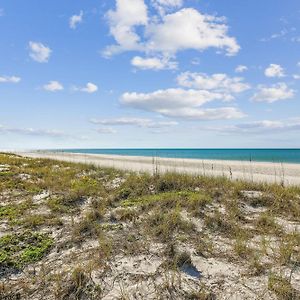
(265, 155)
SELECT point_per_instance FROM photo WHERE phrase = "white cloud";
(217, 82)
(274, 71)
(75, 20)
(169, 3)
(296, 76)
(164, 6)
(123, 22)
(259, 127)
(172, 98)
(182, 30)
(278, 35)
(89, 88)
(139, 122)
(189, 29)
(32, 131)
(273, 93)
(241, 69)
(181, 103)
(225, 113)
(106, 130)
(153, 63)
(39, 52)
(53, 86)
(9, 79)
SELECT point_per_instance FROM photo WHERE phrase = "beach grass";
(77, 231)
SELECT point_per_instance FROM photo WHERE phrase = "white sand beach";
(288, 174)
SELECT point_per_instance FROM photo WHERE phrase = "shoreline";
(237, 159)
(268, 172)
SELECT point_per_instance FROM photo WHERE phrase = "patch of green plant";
(171, 181)
(12, 211)
(85, 187)
(34, 221)
(59, 204)
(136, 185)
(164, 224)
(111, 227)
(279, 199)
(193, 201)
(18, 250)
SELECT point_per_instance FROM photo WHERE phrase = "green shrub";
(17, 250)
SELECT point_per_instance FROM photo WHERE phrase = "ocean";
(262, 155)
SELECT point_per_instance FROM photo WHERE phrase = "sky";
(149, 74)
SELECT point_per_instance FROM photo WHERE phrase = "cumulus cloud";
(53, 86)
(217, 82)
(258, 127)
(153, 63)
(273, 93)
(75, 20)
(9, 79)
(164, 6)
(274, 71)
(139, 122)
(241, 69)
(197, 31)
(123, 22)
(89, 88)
(181, 103)
(39, 52)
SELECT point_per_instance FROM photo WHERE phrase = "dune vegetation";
(76, 231)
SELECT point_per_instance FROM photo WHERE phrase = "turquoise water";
(265, 155)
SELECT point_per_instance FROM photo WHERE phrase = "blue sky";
(149, 73)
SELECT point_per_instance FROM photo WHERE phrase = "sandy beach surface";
(289, 174)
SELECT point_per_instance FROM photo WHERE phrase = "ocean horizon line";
(278, 155)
